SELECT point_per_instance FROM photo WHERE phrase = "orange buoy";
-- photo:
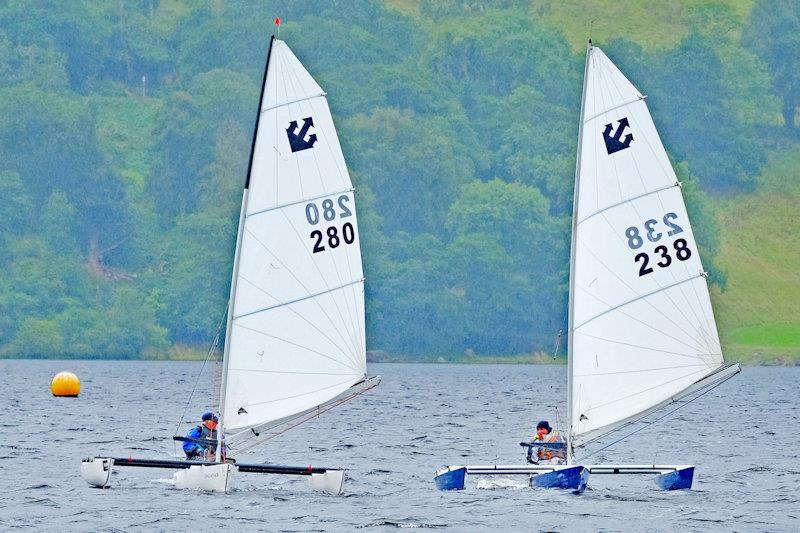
(65, 384)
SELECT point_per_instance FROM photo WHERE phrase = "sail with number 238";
(641, 328)
(295, 342)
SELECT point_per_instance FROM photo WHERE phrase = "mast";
(235, 272)
(573, 244)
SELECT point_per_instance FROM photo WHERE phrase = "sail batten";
(296, 338)
(642, 329)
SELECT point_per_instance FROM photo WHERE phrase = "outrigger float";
(642, 333)
(212, 476)
(575, 478)
(295, 336)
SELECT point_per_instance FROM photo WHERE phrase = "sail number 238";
(653, 233)
(329, 212)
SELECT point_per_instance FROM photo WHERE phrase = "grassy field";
(758, 314)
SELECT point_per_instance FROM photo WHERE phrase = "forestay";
(642, 326)
(297, 314)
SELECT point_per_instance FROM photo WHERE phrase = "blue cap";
(544, 424)
(209, 416)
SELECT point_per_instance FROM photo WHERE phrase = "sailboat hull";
(680, 479)
(212, 478)
(572, 478)
(451, 478)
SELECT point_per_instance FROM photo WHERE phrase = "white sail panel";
(297, 333)
(642, 325)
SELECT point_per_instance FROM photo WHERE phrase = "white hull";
(212, 478)
(330, 482)
(96, 471)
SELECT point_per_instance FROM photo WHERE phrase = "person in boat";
(205, 446)
(543, 454)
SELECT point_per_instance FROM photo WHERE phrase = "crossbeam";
(258, 468)
(493, 470)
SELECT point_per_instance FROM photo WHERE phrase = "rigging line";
(325, 282)
(291, 273)
(669, 173)
(304, 319)
(692, 325)
(287, 341)
(635, 319)
(299, 395)
(644, 347)
(654, 387)
(637, 371)
(296, 300)
(662, 417)
(326, 141)
(211, 349)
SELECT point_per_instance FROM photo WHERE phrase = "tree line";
(125, 129)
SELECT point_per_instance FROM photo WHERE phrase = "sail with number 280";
(296, 332)
(642, 329)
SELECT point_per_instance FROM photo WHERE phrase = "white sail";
(296, 333)
(642, 327)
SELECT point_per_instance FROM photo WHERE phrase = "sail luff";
(235, 269)
(571, 315)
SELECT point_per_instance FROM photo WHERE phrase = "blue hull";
(452, 479)
(677, 480)
(573, 478)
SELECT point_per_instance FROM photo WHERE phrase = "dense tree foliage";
(125, 129)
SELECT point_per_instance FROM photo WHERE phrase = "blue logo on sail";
(615, 143)
(297, 140)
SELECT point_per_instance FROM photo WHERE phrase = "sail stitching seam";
(282, 104)
(623, 202)
(638, 297)
(640, 99)
(290, 302)
(287, 341)
(300, 201)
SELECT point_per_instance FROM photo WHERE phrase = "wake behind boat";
(295, 337)
(642, 333)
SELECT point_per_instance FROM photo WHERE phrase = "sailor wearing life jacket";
(547, 455)
(205, 446)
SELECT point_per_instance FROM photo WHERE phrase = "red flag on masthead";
(277, 21)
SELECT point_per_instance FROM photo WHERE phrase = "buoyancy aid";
(200, 432)
(545, 454)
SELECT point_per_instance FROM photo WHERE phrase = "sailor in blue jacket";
(205, 446)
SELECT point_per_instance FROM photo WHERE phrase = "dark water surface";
(743, 436)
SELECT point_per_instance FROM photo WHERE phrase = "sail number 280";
(329, 212)
(654, 234)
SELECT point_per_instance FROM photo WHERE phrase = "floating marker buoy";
(65, 384)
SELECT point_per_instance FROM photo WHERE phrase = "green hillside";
(125, 129)
(759, 312)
